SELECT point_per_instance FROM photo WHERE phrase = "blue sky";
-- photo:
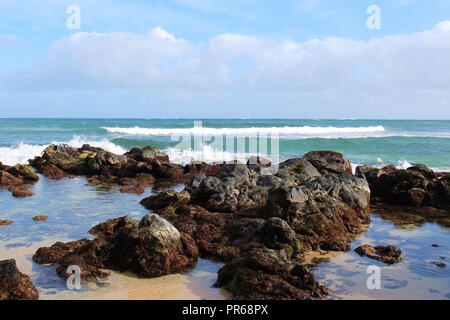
(205, 58)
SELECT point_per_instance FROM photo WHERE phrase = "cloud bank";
(158, 59)
(388, 70)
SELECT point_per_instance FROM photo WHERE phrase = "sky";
(225, 59)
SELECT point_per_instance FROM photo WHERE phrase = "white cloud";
(158, 61)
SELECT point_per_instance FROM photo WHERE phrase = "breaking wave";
(300, 131)
(22, 152)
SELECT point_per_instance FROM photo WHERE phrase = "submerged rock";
(5, 222)
(15, 285)
(386, 254)
(19, 192)
(150, 247)
(40, 218)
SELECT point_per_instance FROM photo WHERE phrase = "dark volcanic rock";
(15, 285)
(138, 167)
(417, 186)
(386, 254)
(147, 153)
(324, 211)
(250, 220)
(68, 159)
(23, 172)
(242, 188)
(329, 161)
(150, 247)
(165, 199)
(18, 178)
(262, 274)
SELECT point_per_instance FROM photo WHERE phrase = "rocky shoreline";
(260, 225)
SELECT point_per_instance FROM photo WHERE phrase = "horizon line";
(222, 118)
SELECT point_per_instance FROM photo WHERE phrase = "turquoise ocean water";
(372, 142)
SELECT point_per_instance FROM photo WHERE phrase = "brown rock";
(150, 247)
(7, 179)
(24, 173)
(5, 222)
(40, 218)
(52, 172)
(329, 161)
(136, 190)
(263, 274)
(15, 285)
(386, 254)
(20, 192)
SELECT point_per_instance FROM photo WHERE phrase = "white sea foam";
(22, 152)
(209, 154)
(403, 164)
(305, 131)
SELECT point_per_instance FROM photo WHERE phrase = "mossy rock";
(298, 168)
(40, 218)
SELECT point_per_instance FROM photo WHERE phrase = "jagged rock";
(417, 186)
(165, 199)
(324, 211)
(23, 172)
(277, 234)
(68, 159)
(329, 161)
(7, 179)
(262, 274)
(150, 247)
(386, 254)
(104, 158)
(147, 153)
(52, 172)
(166, 170)
(15, 285)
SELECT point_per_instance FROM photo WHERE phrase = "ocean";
(370, 142)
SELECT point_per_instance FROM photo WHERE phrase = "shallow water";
(415, 277)
(73, 208)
